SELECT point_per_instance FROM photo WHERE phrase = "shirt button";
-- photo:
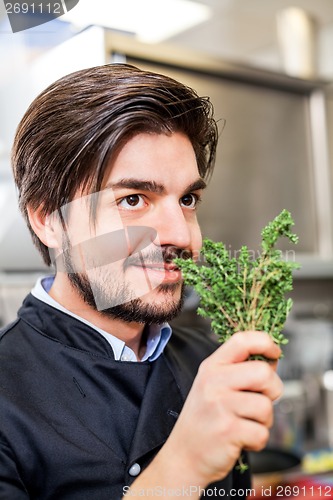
(134, 470)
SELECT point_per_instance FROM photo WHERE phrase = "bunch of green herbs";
(242, 293)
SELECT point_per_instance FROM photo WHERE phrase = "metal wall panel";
(264, 161)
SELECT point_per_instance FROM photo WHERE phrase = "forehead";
(166, 159)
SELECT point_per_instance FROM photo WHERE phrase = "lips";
(158, 272)
(161, 267)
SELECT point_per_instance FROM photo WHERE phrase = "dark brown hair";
(73, 129)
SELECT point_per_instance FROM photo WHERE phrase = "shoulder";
(16, 326)
(9, 328)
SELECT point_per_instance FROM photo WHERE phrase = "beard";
(128, 307)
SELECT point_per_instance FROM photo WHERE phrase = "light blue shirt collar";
(157, 338)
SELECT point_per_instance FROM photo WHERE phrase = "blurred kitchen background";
(268, 67)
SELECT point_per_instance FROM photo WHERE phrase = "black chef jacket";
(73, 421)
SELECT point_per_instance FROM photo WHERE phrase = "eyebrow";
(152, 186)
(196, 186)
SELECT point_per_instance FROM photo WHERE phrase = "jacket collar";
(157, 335)
(63, 328)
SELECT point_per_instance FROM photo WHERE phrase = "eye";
(132, 202)
(190, 200)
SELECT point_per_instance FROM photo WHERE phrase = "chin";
(165, 292)
(165, 299)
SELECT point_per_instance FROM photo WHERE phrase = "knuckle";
(279, 389)
(205, 384)
(266, 410)
(240, 338)
(239, 342)
(263, 370)
(262, 438)
(276, 386)
(204, 370)
(227, 426)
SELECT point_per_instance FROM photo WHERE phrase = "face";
(146, 215)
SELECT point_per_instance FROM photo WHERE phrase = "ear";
(46, 227)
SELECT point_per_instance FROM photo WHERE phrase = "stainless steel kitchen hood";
(273, 152)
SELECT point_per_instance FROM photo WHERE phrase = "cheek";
(79, 224)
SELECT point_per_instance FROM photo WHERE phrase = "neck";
(65, 294)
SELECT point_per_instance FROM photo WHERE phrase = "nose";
(173, 228)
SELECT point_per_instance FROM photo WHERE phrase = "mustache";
(132, 245)
(165, 254)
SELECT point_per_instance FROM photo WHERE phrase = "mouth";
(163, 272)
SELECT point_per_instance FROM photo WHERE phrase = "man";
(99, 399)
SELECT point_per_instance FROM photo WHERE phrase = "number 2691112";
(34, 8)
(304, 491)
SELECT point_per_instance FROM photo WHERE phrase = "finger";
(251, 434)
(244, 344)
(254, 376)
(252, 406)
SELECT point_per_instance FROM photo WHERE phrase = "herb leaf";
(241, 293)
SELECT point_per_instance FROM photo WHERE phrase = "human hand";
(228, 409)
